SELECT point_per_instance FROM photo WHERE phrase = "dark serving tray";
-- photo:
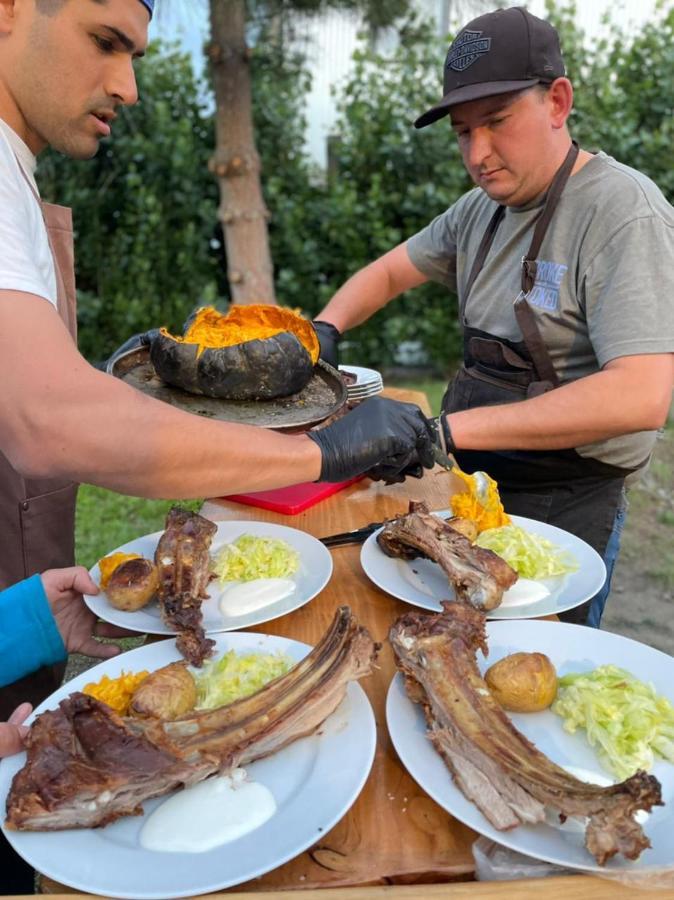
(323, 396)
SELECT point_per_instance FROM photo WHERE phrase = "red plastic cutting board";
(294, 499)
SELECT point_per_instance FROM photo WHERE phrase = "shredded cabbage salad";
(530, 555)
(250, 557)
(234, 676)
(626, 721)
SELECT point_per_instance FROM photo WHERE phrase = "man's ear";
(7, 15)
(560, 98)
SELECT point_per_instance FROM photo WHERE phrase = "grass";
(106, 520)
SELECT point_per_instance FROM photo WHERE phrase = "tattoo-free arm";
(371, 288)
(632, 393)
(59, 416)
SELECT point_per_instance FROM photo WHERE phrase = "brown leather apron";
(561, 487)
(38, 515)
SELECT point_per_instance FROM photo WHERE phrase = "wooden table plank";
(576, 887)
(419, 839)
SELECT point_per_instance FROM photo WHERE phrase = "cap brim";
(471, 92)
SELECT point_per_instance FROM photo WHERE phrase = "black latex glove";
(385, 439)
(329, 338)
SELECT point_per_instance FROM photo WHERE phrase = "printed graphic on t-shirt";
(545, 292)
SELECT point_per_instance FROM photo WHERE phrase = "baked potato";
(132, 584)
(523, 682)
(165, 694)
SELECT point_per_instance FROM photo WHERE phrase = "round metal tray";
(323, 396)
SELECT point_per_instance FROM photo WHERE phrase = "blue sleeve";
(29, 637)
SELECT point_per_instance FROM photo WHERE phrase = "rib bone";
(495, 766)
(87, 766)
(479, 577)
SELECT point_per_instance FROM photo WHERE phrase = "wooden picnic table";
(394, 841)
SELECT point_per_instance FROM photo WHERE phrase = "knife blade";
(358, 536)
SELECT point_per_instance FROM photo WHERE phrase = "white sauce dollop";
(523, 592)
(243, 597)
(208, 814)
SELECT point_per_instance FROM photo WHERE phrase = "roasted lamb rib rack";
(87, 766)
(479, 577)
(183, 563)
(504, 774)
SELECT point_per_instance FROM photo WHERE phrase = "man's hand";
(74, 620)
(13, 733)
(328, 338)
(383, 438)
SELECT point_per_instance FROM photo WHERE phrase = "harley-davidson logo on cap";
(468, 47)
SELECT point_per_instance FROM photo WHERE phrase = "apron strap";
(525, 317)
(482, 251)
(557, 186)
(523, 312)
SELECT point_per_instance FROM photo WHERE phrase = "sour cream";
(523, 592)
(206, 815)
(243, 597)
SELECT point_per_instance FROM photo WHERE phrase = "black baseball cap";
(502, 51)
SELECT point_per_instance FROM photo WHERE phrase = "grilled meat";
(183, 564)
(87, 766)
(495, 766)
(479, 577)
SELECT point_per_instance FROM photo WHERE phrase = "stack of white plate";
(368, 382)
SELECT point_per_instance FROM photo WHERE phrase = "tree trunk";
(236, 163)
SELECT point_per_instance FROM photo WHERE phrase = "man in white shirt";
(66, 66)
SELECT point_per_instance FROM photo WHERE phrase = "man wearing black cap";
(562, 263)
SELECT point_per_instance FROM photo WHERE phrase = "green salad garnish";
(234, 676)
(530, 555)
(250, 557)
(626, 721)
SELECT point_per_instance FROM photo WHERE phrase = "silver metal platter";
(323, 396)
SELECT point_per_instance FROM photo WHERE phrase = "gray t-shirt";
(605, 282)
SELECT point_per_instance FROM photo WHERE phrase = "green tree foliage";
(144, 210)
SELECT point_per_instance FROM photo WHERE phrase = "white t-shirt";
(26, 262)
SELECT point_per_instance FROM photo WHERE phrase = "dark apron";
(38, 515)
(561, 487)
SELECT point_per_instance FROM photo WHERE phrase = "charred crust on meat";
(183, 563)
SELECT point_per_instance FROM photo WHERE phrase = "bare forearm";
(372, 288)
(609, 403)
(98, 430)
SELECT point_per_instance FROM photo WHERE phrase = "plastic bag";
(494, 862)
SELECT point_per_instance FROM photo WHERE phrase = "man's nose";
(479, 147)
(121, 82)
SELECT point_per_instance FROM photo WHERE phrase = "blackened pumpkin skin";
(254, 370)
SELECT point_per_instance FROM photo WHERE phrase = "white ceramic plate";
(314, 781)
(571, 648)
(310, 579)
(423, 583)
(364, 377)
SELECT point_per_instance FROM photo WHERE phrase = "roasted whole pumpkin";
(255, 352)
